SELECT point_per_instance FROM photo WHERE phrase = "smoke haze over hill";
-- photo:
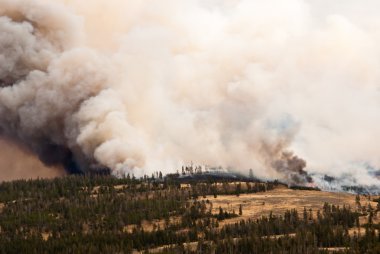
(280, 86)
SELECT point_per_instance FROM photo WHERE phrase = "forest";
(103, 214)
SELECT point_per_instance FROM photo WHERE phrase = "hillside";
(102, 214)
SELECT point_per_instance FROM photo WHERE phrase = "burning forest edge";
(194, 174)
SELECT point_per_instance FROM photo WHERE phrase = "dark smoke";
(53, 155)
(293, 169)
(46, 81)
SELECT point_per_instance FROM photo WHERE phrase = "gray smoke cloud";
(55, 93)
(140, 86)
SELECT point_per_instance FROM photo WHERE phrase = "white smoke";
(143, 86)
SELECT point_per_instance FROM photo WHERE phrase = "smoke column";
(280, 86)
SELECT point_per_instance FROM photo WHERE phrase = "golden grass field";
(281, 199)
(278, 201)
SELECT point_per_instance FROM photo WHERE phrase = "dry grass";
(334, 249)
(120, 187)
(276, 201)
(150, 226)
(45, 236)
(279, 200)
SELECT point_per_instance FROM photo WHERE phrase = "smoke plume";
(140, 86)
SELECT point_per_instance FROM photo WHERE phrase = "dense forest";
(103, 214)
